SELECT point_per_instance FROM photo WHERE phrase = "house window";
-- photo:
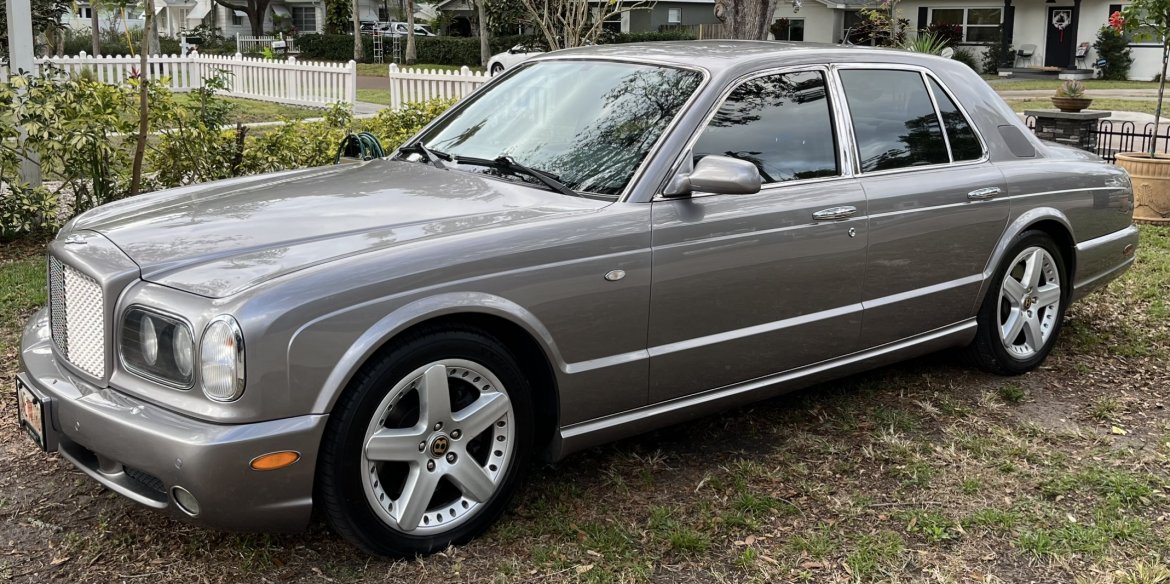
(674, 16)
(237, 19)
(84, 12)
(788, 29)
(980, 25)
(304, 18)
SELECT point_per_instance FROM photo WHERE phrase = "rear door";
(749, 285)
(935, 211)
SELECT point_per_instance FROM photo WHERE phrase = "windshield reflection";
(589, 124)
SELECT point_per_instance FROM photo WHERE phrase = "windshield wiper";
(506, 164)
(435, 157)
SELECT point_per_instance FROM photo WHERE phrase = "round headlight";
(221, 357)
(184, 350)
(149, 341)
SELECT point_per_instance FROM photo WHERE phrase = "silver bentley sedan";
(599, 242)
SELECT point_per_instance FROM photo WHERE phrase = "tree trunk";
(358, 49)
(95, 27)
(143, 109)
(746, 19)
(411, 56)
(152, 46)
(485, 43)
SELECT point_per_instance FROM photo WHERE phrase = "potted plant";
(1070, 97)
(1150, 174)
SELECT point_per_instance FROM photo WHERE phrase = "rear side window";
(781, 123)
(964, 143)
(894, 120)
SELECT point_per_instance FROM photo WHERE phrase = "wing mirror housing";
(720, 175)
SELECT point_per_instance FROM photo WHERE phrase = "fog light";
(186, 501)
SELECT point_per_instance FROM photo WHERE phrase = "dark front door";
(1060, 36)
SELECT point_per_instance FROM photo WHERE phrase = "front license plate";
(31, 413)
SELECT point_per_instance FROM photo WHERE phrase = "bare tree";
(746, 19)
(255, 9)
(95, 27)
(485, 43)
(411, 55)
(572, 23)
(143, 108)
(358, 50)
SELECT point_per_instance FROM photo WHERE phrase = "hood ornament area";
(75, 239)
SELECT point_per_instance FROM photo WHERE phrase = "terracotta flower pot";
(1071, 104)
(1151, 186)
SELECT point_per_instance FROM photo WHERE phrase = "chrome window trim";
(637, 176)
(120, 329)
(985, 153)
(942, 127)
(844, 157)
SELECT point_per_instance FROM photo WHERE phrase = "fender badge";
(75, 239)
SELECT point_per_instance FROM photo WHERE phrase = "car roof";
(734, 54)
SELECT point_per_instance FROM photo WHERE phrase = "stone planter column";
(1074, 129)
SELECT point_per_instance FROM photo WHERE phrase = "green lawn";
(249, 111)
(1144, 106)
(1002, 84)
(380, 96)
(383, 69)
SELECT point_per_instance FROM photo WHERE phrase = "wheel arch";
(1051, 221)
(514, 326)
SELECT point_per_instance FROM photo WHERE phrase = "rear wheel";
(1022, 313)
(427, 446)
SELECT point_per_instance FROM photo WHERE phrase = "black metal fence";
(1112, 137)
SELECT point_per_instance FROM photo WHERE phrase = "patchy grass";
(249, 111)
(1002, 84)
(1144, 106)
(922, 472)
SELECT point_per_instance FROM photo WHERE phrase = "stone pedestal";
(1074, 129)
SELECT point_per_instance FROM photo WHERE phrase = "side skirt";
(590, 433)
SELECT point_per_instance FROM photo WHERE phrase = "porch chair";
(1025, 52)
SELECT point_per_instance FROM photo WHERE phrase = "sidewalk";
(1143, 94)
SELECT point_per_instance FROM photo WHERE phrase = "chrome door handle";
(984, 194)
(835, 213)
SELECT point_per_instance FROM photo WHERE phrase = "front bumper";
(143, 452)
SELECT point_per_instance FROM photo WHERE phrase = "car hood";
(221, 238)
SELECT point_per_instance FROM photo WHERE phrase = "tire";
(391, 439)
(1021, 316)
(497, 69)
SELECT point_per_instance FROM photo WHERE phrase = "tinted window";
(893, 119)
(780, 123)
(964, 143)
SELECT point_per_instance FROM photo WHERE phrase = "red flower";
(1116, 21)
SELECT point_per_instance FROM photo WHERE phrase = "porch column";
(1071, 30)
(20, 58)
(1009, 23)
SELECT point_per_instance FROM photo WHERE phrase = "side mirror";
(721, 175)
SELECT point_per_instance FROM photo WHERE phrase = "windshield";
(589, 124)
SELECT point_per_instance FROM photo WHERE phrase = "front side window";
(894, 121)
(588, 123)
(979, 25)
(781, 123)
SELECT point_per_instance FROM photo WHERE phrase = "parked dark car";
(597, 243)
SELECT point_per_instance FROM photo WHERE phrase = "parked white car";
(512, 57)
(396, 28)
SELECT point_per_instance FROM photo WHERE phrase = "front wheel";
(497, 69)
(427, 446)
(1021, 316)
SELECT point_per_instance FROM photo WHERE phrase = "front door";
(1060, 37)
(749, 285)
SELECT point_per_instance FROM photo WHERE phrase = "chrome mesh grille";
(75, 310)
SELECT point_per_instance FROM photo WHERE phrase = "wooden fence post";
(351, 85)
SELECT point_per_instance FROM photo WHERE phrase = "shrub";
(1113, 47)
(394, 127)
(998, 55)
(965, 57)
(645, 37)
(951, 34)
(332, 47)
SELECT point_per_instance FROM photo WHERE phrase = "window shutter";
(1113, 8)
(922, 16)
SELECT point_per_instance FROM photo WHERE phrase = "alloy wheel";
(1029, 303)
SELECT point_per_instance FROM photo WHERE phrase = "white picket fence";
(284, 81)
(252, 44)
(411, 85)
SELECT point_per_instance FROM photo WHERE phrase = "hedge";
(445, 50)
